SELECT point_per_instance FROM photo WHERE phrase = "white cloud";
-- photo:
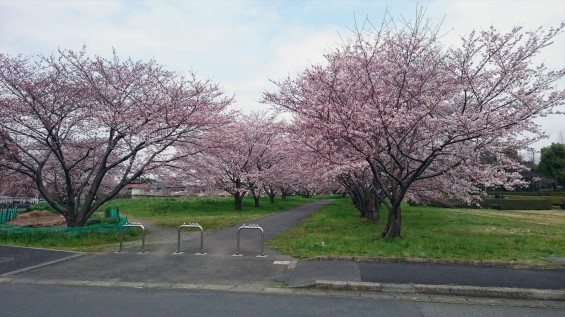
(244, 43)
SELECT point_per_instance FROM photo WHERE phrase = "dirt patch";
(37, 219)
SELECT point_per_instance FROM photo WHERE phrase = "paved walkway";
(219, 268)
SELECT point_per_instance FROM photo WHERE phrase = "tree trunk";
(238, 198)
(392, 228)
(371, 211)
(83, 216)
(79, 222)
(256, 193)
(271, 193)
(376, 207)
(71, 220)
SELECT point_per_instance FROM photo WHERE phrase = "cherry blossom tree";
(15, 185)
(81, 128)
(243, 154)
(424, 115)
(358, 183)
(278, 177)
(310, 171)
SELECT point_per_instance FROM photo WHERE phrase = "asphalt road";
(53, 300)
(15, 258)
(451, 274)
(148, 284)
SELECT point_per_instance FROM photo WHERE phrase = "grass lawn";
(474, 235)
(211, 213)
(87, 242)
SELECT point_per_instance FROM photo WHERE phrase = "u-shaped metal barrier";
(191, 225)
(195, 225)
(252, 227)
(133, 224)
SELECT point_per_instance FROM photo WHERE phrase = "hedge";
(555, 200)
(529, 194)
(517, 204)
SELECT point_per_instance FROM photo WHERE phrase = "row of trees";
(255, 155)
(426, 120)
(78, 129)
(552, 165)
(391, 114)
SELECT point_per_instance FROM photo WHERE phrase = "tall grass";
(430, 233)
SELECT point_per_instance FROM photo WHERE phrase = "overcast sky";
(243, 44)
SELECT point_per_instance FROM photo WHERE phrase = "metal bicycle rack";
(251, 227)
(133, 224)
(191, 225)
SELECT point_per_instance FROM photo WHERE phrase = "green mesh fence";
(71, 231)
(113, 213)
(7, 215)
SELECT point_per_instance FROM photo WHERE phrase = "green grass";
(445, 234)
(100, 233)
(211, 213)
(87, 242)
(41, 206)
(472, 235)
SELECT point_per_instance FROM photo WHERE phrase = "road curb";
(450, 290)
(516, 265)
(352, 290)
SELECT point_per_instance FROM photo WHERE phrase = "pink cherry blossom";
(81, 128)
(423, 117)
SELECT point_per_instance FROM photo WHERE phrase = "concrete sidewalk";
(220, 269)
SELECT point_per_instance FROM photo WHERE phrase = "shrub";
(529, 194)
(41, 206)
(110, 220)
(93, 221)
(517, 204)
(556, 200)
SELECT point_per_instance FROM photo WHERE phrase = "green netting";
(113, 213)
(71, 231)
(7, 215)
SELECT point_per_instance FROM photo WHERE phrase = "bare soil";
(37, 219)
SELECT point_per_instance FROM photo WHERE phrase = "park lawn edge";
(315, 236)
(494, 263)
(148, 210)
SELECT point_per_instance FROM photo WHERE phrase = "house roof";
(139, 186)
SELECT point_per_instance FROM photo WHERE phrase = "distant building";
(139, 190)
(161, 189)
(155, 189)
(23, 202)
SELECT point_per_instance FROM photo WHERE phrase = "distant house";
(161, 189)
(6, 199)
(164, 189)
(20, 202)
(154, 189)
(139, 190)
